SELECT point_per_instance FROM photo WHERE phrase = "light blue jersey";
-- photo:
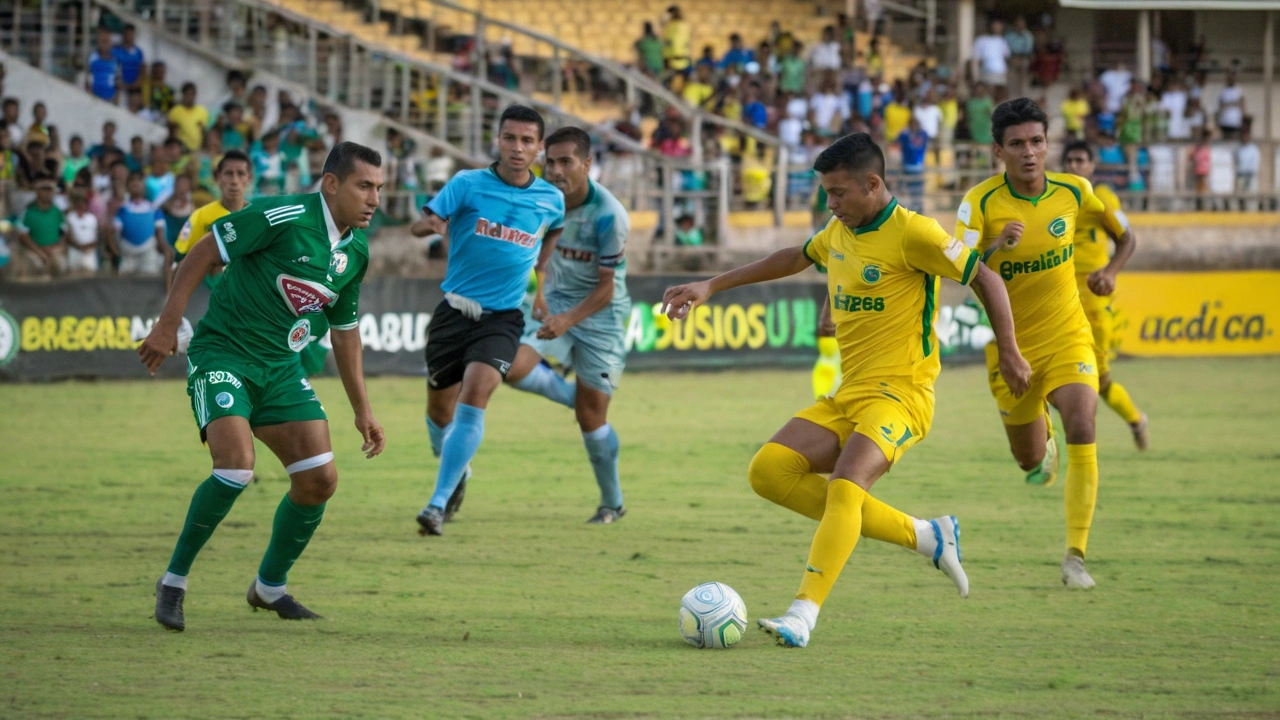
(595, 235)
(495, 234)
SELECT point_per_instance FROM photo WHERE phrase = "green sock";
(292, 530)
(211, 502)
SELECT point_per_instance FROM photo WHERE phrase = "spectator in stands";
(234, 129)
(754, 112)
(991, 57)
(649, 52)
(205, 187)
(1174, 102)
(848, 39)
(792, 71)
(669, 137)
(108, 142)
(137, 107)
(75, 161)
(53, 149)
(736, 58)
(159, 92)
(1021, 43)
(766, 58)
(1074, 111)
(1248, 159)
(677, 41)
(825, 55)
(17, 133)
(139, 233)
(1129, 122)
(106, 200)
(296, 138)
(913, 143)
(1155, 119)
(189, 120)
(158, 185)
(794, 112)
(269, 165)
(81, 234)
(439, 169)
(1201, 164)
(897, 114)
(929, 116)
(40, 229)
(256, 112)
(39, 121)
(10, 159)
(1048, 59)
(329, 135)
(136, 159)
(1116, 82)
(828, 108)
(949, 104)
(687, 232)
(1231, 108)
(977, 118)
(130, 58)
(103, 79)
(1197, 121)
(236, 93)
(697, 91)
(708, 59)
(176, 211)
(36, 163)
(875, 61)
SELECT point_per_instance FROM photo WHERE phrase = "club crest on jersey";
(303, 296)
(228, 233)
(871, 274)
(498, 231)
(1058, 227)
(300, 335)
(338, 264)
(224, 400)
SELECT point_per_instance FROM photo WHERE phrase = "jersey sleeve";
(929, 249)
(818, 248)
(613, 229)
(1113, 217)
(344, 313)
(450, 197)
(251, 229)
(185, 241)
(557, 221)
(970, 220)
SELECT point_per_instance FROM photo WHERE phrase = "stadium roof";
(1172, 4)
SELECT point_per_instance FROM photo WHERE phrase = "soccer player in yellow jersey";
(233, 173)
(1096, 281)
(883, 268)
(1023, 223)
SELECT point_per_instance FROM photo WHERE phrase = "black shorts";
(454, 341)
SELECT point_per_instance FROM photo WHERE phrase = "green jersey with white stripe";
(289, 276)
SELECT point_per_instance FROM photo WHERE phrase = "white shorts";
(82, 260)
(140, 259)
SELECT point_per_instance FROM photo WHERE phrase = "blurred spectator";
(1155, 119)
(847, 37)
(16, 132)
(929, 116)
(897, 114)
(1021, 43)
(206, 189)
(236, 91)
(828, 108)
(160, 94)
(1197, 123)
(130, 58)
(1201, 163)
(137, 107)
(10, 159)
(439, 169)
(403, 169)
(235, 129)
(697, 91)
(139, 233)
(649, 51)
(176, 211)
(736, 58)
(677, 41)
(1129, 123)
(708, 59)
(792, 70)
(1231, 108)
(1248, 158)
(331, 133)
(754, 112)
(825, 55)
(687, 233)
(106, 200)
(189, 120)
(74, 162)
(159, 183)
(1074, 111)
(1109, 152)
(1116, 82)
(36, 164)
(104, 70)
(875, 61)
(296, 138)
(914, 143)
(81, 234)
(39, 121)
(136, 160)
(108, 142)
(991, 56)
(53, 148)
(865, 95)
(1174, 102)
(268, 165)
(766, 58)
(40, 229)
(950, 107)
(1047, 63)
(669, 137)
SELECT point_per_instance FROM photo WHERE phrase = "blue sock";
(602, 449)
(437, 436)
(544, 381)
(461, 441)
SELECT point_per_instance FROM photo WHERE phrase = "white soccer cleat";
(1139, 430)
(1074, 576)
(790, 630)
(946, 556)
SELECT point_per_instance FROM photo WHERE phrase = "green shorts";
(221, 385)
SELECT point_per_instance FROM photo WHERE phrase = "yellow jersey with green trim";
(198, 224)
(1039, 271)
(1094, 231)
(882, 280)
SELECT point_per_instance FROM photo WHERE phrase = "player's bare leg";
(526, 360)
(440, 405)
(529, 374)
(305, 450)
(466, 413)
(1078, 404)
(591, 407)
(1118, 399)
(231, 448)
(1035, 450)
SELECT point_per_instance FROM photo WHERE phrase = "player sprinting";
(581, 319)
(883, 264)
(1096, 281)
(502, 221)
(295, 261)
(1023, 223)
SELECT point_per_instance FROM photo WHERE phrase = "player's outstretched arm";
(348, 354)
(1103, 282)
(162, 341)
(681, 300)
(991, 291)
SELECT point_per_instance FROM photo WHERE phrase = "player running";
(502, 221)
(1096, 281)
(295, 261)
(883, 264)
(582, 318)
(1023, 223)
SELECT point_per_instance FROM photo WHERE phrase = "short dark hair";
(1016, 112)
(855, 152)
(135, 174)
(42, 177)
(233, 156)
(116, 163)
(523, 113)
(1076, 146)
(570, 134)
(130, 28)
(173, 141)
(188, 86)
(231, 106)
(8, 102)
(75, 139)
(342, 159)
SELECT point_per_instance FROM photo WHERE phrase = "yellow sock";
(783, 476)
(826, 371)
(1081, 494)
(1118, 399)
(887, 524)
(834, 541)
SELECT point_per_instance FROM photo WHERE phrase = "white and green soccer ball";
(712, 616)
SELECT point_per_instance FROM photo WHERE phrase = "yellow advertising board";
(1209, 313)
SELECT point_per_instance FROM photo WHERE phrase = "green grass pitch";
(523, 610)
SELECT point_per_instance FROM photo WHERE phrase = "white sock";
(172, 580)
(806, 609)
(270, 593)
(926, 541)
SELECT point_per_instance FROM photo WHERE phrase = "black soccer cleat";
(431, 521)
(452, 507)
(286, 607)
(606, 515)
(169, 606)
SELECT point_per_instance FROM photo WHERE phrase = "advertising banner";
(1212, 313)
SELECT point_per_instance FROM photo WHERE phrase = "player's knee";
(1029, 458)
(316, 477)
(1104, 384)
(1079, 429)
(240, 458)
(775, 469)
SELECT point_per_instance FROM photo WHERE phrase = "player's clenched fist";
(679, 301)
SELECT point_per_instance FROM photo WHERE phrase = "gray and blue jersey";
(495, 234)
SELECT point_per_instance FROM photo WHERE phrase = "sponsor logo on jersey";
(283, 214)
(228, 233)
(837, 256)
(1047, 261)
(575, 254)
(303, 260)
(338, 264)
(224, 400)
(841, 300)
(953, 249)
(965, 212)
(871, 274)
(1086, 369)
(300, 335)
(303, 296)
(498, 231)
(1058, 227)
(216, 377)
(306, 384)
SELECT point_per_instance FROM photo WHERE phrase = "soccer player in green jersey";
(298, 264)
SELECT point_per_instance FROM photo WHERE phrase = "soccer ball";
(712, 616)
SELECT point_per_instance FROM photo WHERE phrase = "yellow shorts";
(893, 417)
(1073, 364)
(1101, 320)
